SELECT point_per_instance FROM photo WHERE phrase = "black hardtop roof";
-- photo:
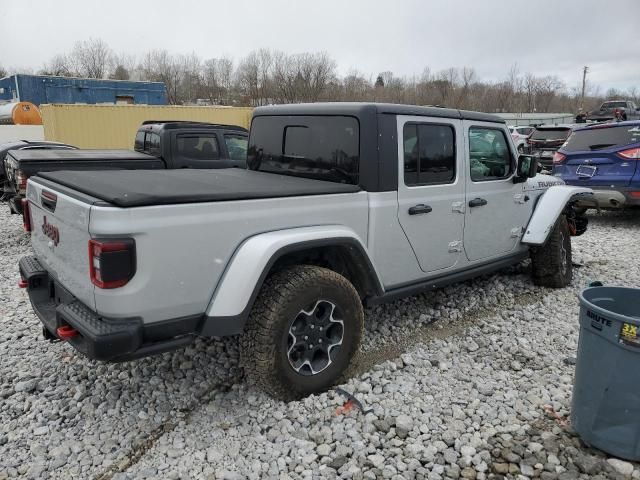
(173, 124)
(358, 109)
(62, 154)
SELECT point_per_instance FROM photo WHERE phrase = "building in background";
(41, 89)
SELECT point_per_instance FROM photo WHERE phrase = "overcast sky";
(543, 36)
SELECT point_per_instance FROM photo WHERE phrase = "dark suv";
(546, 140)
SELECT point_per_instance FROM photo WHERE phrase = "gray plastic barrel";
(605, 408)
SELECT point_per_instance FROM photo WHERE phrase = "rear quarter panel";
(183, 250)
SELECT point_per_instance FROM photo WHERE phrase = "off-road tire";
(263, 346)
(551, 264)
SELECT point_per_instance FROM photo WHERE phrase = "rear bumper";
(616, 198)
(99, 337)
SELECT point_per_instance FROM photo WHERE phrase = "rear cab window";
(197, 146)
(319, 147)
(614, 105)
(550, 134)
(599, 138)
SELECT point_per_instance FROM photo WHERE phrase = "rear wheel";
(551, 264)
(303, 331)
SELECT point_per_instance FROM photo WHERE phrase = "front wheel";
(303, 331)
(551, 264)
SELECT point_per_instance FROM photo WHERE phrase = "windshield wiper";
(598, 146)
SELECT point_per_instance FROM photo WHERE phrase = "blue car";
(606, 158)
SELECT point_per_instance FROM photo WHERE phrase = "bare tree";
(92, 57)
(60, 65)
(254, 77)
(160, 66)
(123, 67)
(3, 72)
(218, 80)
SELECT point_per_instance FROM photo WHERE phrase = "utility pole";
(584, 85)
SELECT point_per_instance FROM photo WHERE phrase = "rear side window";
(236, 146)
(197, 147)
(152, 144)
(551, 134)
(429, 154)
(139, 142)
(602, 137)
(321, 147)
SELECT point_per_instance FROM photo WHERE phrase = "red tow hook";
(66, 332)
(23, 283)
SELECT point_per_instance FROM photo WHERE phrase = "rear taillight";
(630, 154)
(26, 215)
(558, 158)
(112, 262)
(21, 180)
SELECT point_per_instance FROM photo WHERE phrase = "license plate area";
(586, 171)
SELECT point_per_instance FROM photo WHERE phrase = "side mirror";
(527, 168)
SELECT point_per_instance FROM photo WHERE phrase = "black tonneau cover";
(138, 188)
(35, 161)
(78, 154)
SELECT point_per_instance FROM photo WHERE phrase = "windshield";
(320, 147)
(614, 104)
(602, 137)
(551, 134)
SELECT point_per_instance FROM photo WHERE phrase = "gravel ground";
(472, 381)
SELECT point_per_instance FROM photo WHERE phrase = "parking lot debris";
(350, 403)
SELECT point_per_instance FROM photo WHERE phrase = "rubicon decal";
(51, 231)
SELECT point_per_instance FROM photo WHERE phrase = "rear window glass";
(599, 138)
(197, 147)
(551, 134)
(614, 105)
(321, 147)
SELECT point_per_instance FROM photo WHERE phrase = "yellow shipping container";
(115, 126)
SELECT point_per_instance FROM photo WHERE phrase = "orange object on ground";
(20, 113)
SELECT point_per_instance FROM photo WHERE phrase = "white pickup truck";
(341, 206)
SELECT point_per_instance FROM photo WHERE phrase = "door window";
(197, 147)
(429, 154)
(236, 146)
(489, 154)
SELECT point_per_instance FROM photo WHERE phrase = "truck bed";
(138, 188)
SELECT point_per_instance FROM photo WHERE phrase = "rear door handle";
(477, 202)
(420, 209)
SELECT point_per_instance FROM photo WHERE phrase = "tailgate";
(60, 238)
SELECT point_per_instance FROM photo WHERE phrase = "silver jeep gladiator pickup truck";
(341, 206)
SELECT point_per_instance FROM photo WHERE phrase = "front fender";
(549, 208)
(252, 261)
